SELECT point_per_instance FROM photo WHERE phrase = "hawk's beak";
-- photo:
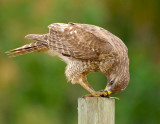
(109, 92)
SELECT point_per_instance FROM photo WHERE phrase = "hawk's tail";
(39, 45)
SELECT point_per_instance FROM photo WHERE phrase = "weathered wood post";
(96, 110)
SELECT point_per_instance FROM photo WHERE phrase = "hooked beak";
(108, 92)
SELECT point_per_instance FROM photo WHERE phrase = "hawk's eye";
(111, 82)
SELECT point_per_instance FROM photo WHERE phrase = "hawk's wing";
(80, 41)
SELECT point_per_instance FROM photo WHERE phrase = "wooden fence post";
(96, 110)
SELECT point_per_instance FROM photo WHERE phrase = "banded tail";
(40, 44)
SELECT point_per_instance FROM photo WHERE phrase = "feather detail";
(28, 48)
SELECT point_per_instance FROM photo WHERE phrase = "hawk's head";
(117, 84)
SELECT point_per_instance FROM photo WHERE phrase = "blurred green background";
(33, 88)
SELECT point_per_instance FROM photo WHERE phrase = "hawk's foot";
(91, 95)
(100, 93)
(88, 95)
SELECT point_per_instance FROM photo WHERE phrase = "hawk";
(84, 48)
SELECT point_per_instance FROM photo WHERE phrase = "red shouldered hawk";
(85, 48)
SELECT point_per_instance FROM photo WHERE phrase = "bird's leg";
(84, 83)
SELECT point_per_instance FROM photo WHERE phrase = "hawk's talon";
(88, 95)
(107, 96)
(100, 93)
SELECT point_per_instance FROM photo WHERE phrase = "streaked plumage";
(85, 48)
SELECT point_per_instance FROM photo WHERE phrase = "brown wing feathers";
(77, 41)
